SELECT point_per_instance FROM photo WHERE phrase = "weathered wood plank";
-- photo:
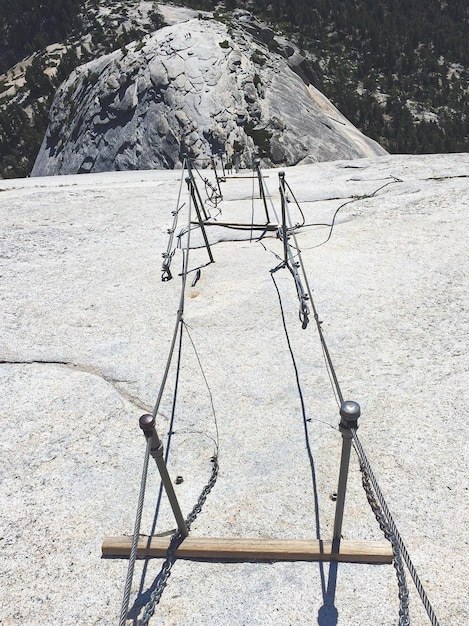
(254, 549)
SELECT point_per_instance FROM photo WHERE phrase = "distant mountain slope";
(198, 88)
(40, 44)
(27, 26)
(398, 70)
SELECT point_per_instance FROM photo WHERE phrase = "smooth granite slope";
(87, 325)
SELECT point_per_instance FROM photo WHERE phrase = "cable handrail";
(293, 261)
(285, 231)
(179, 318)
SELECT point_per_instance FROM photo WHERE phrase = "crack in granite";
(93, 371)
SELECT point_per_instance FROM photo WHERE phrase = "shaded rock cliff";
(199, 87)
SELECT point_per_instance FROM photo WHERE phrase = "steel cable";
(390, 527)
(381, 510)
(133, 550)
(168, 255)
(325, 349)
(404, 618)
(267, 195)
(180, 312)
(138, 516)
(177, 538)
(214, 197)
(297, 204)
(393, 528)
(354, 199)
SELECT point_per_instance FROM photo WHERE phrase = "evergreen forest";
(397, 69)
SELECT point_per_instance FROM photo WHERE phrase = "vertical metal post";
(195, 190)
(214, 167)
(257, 166)
(192, 189)
(147, 424)
(349, 413)
(222, 165)
(281, 176)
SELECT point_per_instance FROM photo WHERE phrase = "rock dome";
(199, 87)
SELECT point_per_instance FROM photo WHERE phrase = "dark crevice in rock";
(306, 72)
(93, 371)
(448, 177)
(33, 362)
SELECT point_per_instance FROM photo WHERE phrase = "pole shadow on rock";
(143, 596)
(328, 614)
(149, 598)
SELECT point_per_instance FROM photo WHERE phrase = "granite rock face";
(86, 331)
(199, 88)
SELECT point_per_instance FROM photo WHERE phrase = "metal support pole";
(281, 176)
(192, 189)
(222, 165)
(196, 191)
(214, 167)
(147, 424)
(349, 413)
(257, 166)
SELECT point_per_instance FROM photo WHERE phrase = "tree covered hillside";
(27, 26)
(47, 39)
(398, 69)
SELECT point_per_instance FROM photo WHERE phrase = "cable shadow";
(149, 598)
(142, 600)
(159, 582)
(143, 596)
(328, 614)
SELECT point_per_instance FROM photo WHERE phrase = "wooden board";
(245, 226)
(254, 549)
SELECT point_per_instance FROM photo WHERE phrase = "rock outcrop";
(197, 88)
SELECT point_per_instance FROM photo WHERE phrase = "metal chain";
(404, 618)
(395, 533)
(205, 492)
(163, 577)
(175, 542)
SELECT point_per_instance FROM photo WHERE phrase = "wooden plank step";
(244, 225)
(254, 549)
(235, 176)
